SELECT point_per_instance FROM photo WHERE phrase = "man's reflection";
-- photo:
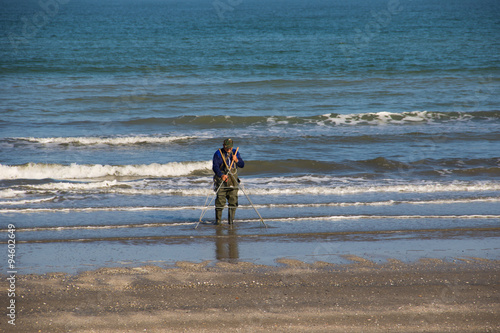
(226, 244)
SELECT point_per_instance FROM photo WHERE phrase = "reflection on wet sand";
(226, 244)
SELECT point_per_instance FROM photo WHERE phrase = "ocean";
(368, 128)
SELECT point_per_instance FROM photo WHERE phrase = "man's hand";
(235, 159)
(224, 178)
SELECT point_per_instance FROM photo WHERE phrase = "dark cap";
(228, 143)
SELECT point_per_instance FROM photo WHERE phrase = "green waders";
(231, 195)
(228, 191)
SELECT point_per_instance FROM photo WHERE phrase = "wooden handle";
(232, 161)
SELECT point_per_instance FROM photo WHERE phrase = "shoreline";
(427, 295)
(225, 245)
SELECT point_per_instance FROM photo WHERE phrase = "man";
(225, 164)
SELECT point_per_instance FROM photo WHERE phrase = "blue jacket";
(218, 165)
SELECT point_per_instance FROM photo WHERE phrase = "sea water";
(366, 127)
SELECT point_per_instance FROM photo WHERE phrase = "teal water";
(376, 119)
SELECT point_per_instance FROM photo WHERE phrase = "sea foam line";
(96, 209)
(113, 141)
(279, 219)
(358, 217)
(168, 188)
(383, 118)
(105, 227)
(24, 202)
(383, 203)
(346, 190)
(11, 193)
(90, 171)
(329, 119)
(263, 206)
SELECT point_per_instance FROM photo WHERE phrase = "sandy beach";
(369, 198)
(426, 296)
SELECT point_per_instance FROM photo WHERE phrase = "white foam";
(382, 203)
(346, 190)
(257, 186)
(25, 202)
(77, 187)
(260, 206)
(380, 118)
(396, 217)
(10, 193)
(120, 140)
(79, 171)
(97, 209)
(97, 227)
(100, 188)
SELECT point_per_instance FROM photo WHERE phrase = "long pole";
(241, 187)
(261, 219)
(205, 209)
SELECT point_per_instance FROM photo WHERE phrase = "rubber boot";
(218, 216)
(230, 215)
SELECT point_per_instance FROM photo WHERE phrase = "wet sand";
(429, 295)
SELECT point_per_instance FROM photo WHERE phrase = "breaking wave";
(329, 119)
(265, 187)
(110, 141)
(79, 171)
(260, 206)
(368, 169)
